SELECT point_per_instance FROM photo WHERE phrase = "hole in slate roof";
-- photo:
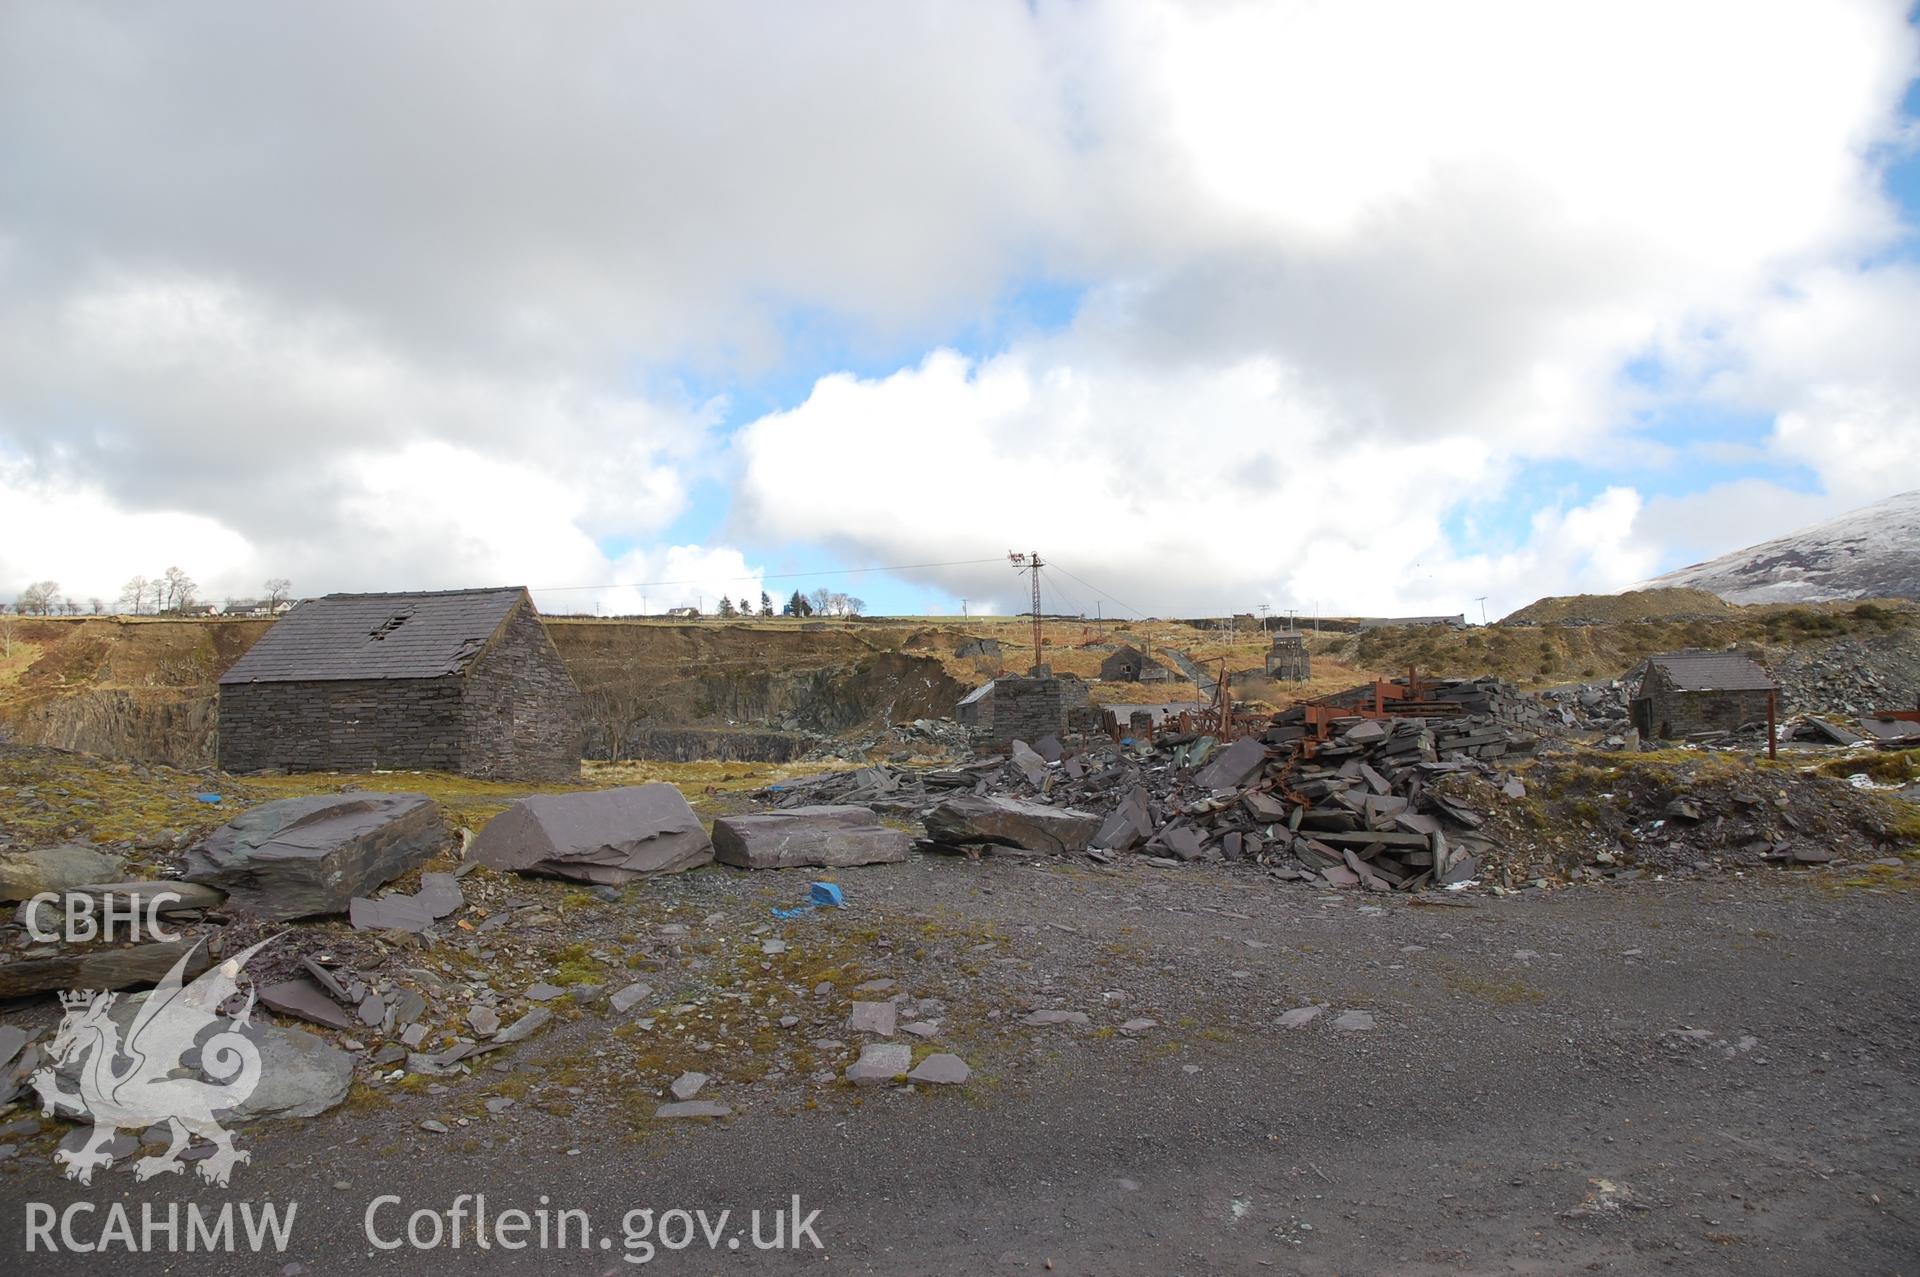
(389, 625)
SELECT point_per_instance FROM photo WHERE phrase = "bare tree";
(97, 604)
(134, 594)
(278, 588)
(39, 599)
(822, 600)
(176, 590)
(856, 606)
(614, 711)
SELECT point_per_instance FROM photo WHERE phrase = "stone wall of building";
(522, 711)
(1665, 713)
(348, 725)
(1026, 709)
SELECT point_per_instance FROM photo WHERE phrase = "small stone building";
(1011, 708)
(1683, 693)
(1130, 665)
(455, 680)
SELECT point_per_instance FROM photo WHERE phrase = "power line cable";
(1054, 563)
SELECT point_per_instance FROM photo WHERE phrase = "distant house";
(1129, 665)
(455, 680)
(1678, 694)
(684, 613)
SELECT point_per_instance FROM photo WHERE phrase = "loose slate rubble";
(873, 1017)
(301, 857)
(609, 836)
(1354, 806)
(439, 896)
(880, 1062)
(941, 1070)
(835, 836)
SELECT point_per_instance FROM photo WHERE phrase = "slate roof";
(1712, 672)
(978, 692)
(342, 636)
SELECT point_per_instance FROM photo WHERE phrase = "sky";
(1357, 308)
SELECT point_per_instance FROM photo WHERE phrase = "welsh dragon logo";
(134, 1084)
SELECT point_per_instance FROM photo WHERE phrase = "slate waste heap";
(1340, 792)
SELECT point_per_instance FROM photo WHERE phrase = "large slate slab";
(124, 968)
(301, 1075)
(830, 837)
(607, 836)
(1233, 766)
(305, 856)
(1009, 822)
(25, 874)
(124, 898)
(1130, 824)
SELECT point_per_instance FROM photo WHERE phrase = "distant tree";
(746, 606)
(278, 588)
(766, 604)
(856, 606)
(726, 606)
(39, 599)
(822, 600)
(176, 590)
(97, 604)
(134, 594)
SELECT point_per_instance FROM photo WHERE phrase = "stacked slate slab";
(456, 680)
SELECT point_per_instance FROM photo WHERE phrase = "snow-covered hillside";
(1873, 552)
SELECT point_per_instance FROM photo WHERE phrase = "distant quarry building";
(455, 680)
(1680, 694)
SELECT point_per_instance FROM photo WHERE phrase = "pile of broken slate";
(1358, 810)
(330, 857)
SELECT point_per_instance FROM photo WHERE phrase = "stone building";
(456, 680)
(1011, 708)
(1681, 693)
(1130, 665)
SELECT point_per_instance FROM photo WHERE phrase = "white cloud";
(80, 538)
(1349, 267)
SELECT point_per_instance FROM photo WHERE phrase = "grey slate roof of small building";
(978, 692)
(347, 636)
(1712, 672)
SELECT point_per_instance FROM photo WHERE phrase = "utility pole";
(1031, 563)
(963, 607)
(1263, 618)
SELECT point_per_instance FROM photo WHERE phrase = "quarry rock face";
(834, 837)
(610, 836)
(1010, 822)
(305, 856)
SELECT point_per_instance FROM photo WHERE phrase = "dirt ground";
(1709, 1076)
